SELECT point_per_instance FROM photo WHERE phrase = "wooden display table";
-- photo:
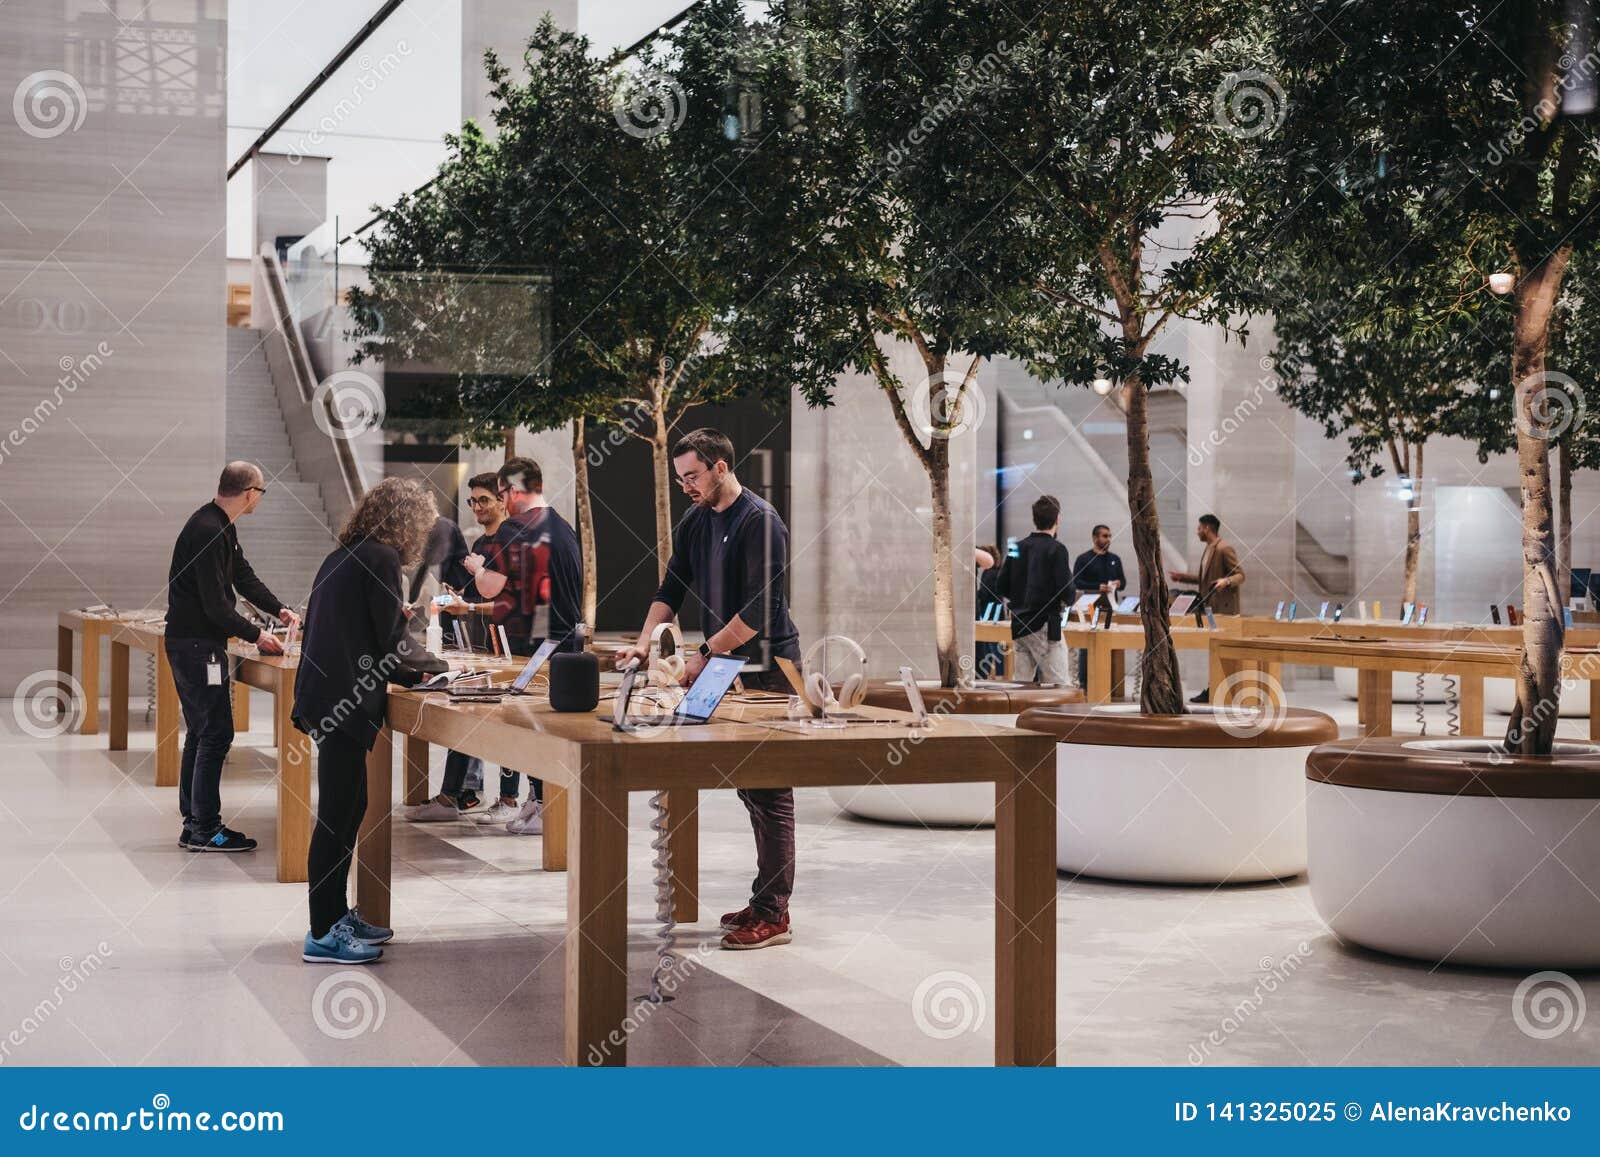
(595, 768)
(1376, 659)
(1108, 645)
(1000, 633)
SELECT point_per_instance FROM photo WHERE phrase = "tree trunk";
(944, 575)
(1532, 728)
(1413, 522)
(659, 451)
(1161, 686)
(585, 505)
(1564, 538)
(511, 442)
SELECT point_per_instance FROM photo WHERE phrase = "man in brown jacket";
(1220, 575)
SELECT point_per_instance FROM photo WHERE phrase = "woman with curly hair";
(355, 645)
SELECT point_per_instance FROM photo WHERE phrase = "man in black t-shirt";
(1037, 581)
(1097, 571)
(731, 551)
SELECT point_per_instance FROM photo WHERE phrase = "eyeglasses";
(689, 479)
(477, 501)
(262, 489)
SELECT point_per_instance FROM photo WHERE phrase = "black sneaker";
(1202, 697)
(184, 837)
(223, 841)
(238, 835)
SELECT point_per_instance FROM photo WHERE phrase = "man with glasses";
(536, 586)
(207, 568)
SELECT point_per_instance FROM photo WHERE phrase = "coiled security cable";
(1422, 710)
(1452, 704)
(149, 686)
(666, 936)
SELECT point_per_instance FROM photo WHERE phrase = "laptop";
(519, 685)
(698, 704)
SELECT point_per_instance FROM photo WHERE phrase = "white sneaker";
(498, 812)
(529, 821)
(435, 811)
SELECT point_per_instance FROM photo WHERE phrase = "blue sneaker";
(339, 946)
(366, 933)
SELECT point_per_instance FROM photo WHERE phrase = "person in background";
(536, 586)
(208, 567)
(1219, 578)
(1097, 571)
(463, 774)
(990, 657)
(1038, 583)
(732, 550)
(355, 645)
(442, 559)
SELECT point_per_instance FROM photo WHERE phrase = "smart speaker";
(574, 681)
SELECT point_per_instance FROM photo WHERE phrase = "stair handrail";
(355, 484)
(1175, 558)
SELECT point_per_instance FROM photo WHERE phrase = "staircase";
(288, 536)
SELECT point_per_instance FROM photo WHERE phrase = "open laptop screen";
(546, 649)
(707, 691)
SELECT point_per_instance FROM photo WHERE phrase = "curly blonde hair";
(397, 512)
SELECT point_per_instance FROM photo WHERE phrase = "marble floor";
(117, 948)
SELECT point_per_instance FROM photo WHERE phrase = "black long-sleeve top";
(735, 561)
(443, 556)
(1090, 570)
(1038, 583)
(207, 569)
(355, 644)
(538, 553)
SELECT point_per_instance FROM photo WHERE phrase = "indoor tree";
(1462, 105)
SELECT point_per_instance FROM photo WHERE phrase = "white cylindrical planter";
(1500, 696)
(1181, 799)
(944, 804)
(1427, 849)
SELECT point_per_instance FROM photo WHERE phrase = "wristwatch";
(705, 650)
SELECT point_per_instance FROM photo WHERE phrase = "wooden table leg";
(1594, 708)
(89, 680)
(1008, 660)
(683, 839)
(65, 697)
(1471, 704)
(416, 771)
(1099, 689)
(1377, 701)
(553, 852)
(294, 786)
(169, 755)
(1025, 910)
(241, 706)
(1215, 674)
(1273, 671)
(1119, 673)
(597, 915)
(119, 696)
(374, 849)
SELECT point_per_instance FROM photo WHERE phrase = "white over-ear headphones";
(819, 692)
(667, 667)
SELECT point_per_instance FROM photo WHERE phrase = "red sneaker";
(733, 920)
(759, 933)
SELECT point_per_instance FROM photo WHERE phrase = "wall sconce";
(1101, 385)
(1502, 283)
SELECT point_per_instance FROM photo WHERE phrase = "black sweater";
(1038, 583)
(538, 553)
(355, 644)
(207, 568)
(735, 563)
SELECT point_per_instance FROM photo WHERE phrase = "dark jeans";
(511, 781)
(457, 771)
(341, 802)
(208, 718)
(772, 820)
